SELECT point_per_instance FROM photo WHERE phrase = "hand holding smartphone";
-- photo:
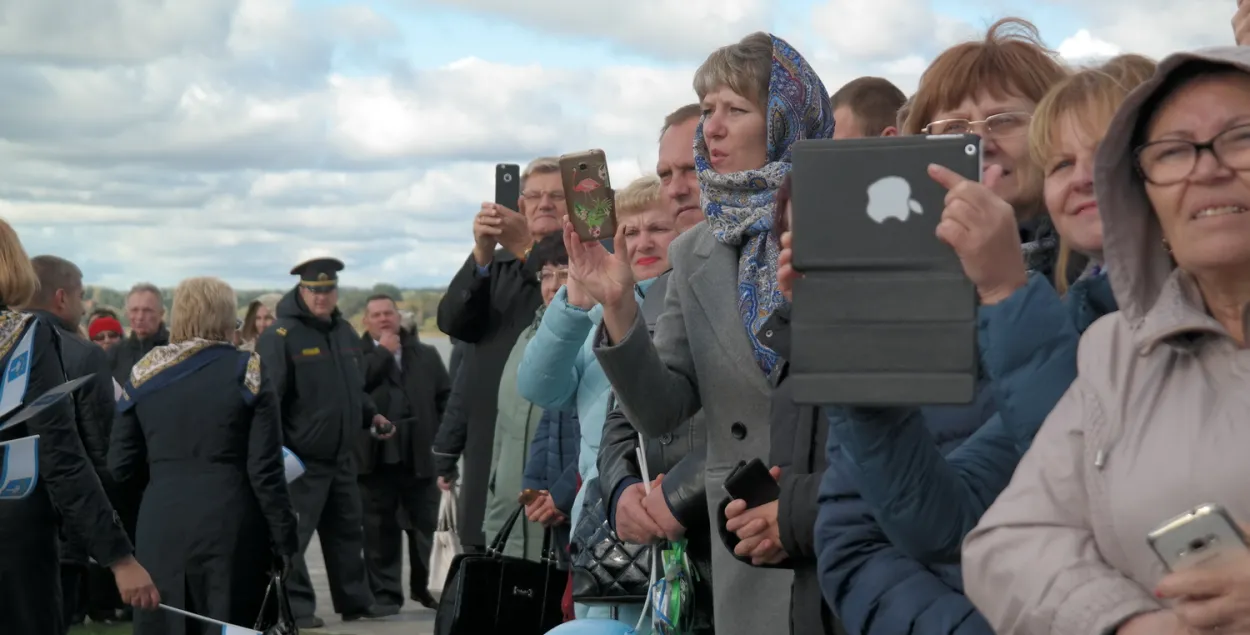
(751, 482)
(1197, 538)
(508, 185)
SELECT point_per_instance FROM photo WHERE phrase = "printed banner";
(226, 629)
(44, 400)
(17, 373)
(20, 472)
(294, 466)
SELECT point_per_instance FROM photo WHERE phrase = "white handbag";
(446, 541)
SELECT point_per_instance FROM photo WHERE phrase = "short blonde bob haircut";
(1086, 100)
(204, 308)
(745, 68)
(18, 281)
(1011, 60)
(637, 197)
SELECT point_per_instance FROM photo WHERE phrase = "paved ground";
(414, 619)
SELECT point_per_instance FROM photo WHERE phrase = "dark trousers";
(388, 491)
(103, 601)
(73, 592)
(327, 501)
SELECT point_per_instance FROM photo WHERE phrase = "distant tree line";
(423, 303)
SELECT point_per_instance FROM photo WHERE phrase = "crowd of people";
(609, 388)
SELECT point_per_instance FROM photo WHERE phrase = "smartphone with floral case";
(588, 190)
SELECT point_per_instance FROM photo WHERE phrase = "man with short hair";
(59, 302)
(313, 360)
(675, 165)
(489, 302)
(409, 384)
(145, 309)
(866, 107)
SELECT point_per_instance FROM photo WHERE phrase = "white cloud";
(1082, 45)
(162, 140)
(683, 29)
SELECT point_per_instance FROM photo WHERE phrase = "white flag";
(226, 629)
(20, 472)
(294, 466)
(17, 373)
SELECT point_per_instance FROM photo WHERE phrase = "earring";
(1167, 246)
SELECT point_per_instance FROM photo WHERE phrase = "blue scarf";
(739, 206)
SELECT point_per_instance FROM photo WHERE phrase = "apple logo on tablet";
(890, 197)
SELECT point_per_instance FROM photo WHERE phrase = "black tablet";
(884, 314)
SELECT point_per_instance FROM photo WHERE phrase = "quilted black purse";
(606, 570)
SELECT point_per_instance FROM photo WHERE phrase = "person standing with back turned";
(313, 358)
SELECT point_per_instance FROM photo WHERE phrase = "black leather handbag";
(494, 594)
(276, 617)
(606, 570)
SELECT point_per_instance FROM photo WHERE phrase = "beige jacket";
(1157, 422)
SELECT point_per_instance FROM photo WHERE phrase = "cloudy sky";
(159, 139)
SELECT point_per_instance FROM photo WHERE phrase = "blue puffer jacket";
(552, 464)
(1028, 345)
(874, 587)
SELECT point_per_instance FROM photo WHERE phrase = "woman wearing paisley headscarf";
(199, 417)
(759, 96)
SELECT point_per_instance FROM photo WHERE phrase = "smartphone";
(883, 315)
(508, 186)
(751, 482)
(588, 190)
(1196, 537)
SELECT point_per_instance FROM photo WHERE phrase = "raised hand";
(604, 276)
(981, 227)
(786, 273)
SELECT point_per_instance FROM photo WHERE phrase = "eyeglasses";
(560, 275)
(1000, 126)
(555, 196)
(105, 335)
(1170, 161)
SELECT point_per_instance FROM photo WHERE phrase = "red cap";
(102, 324)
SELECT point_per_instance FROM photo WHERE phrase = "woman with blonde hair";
(261, 312)
(201, 419)
(63, 493)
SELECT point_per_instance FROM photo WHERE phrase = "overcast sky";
(155, 140)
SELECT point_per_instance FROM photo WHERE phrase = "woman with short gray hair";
(200, 418)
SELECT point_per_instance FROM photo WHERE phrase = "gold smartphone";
(588, 190)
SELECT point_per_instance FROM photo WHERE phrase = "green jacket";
(515, 424)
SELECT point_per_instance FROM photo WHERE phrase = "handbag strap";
(497, 546)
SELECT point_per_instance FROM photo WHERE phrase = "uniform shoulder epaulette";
(251, 377)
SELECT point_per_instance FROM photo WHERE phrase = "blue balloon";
(593, 627)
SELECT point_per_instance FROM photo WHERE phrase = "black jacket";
(797, 436)
(67, 494)
(679, 455)
(417, 393)
(128, 352)
(487, 314)
(316, 367)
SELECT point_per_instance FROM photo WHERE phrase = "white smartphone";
(1196, 537)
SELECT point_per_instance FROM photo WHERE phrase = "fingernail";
(1159, 594)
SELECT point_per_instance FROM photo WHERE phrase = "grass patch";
(122, 628)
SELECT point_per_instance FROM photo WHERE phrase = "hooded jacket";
(1160, 387)
(316, 367)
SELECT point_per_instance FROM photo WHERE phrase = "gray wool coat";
(701, 357)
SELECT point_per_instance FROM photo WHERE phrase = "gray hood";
(1138, 265)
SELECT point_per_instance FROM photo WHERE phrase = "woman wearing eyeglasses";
(105, 331)
(517, 419)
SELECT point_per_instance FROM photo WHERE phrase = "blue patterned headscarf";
(739, 206)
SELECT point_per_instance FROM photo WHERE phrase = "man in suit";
(59, 301)
(410, 386)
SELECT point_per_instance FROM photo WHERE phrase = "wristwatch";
(526, 254)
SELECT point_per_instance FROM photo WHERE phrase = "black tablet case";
(884, 314)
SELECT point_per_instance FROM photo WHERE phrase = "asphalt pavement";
(413, 619)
